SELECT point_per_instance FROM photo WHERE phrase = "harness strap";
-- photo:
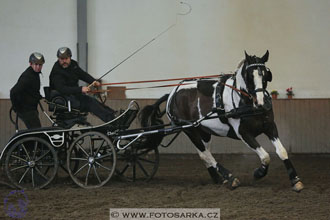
(219, 91)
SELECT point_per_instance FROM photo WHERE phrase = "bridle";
(249, 94)
(258, 65)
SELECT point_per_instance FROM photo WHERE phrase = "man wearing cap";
(25, 94)
(64, 78)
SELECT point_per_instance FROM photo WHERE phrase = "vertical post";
(82, 46)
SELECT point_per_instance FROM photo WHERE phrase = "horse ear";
(247, 57)
(265, 57)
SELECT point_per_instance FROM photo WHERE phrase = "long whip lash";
(153, 39)
(137, 51)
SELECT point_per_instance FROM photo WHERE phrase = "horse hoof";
(298, 186)
(232, 183)
(260, 172)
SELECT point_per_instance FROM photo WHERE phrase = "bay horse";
(236, 106)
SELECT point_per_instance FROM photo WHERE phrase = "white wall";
(29, 26)
(210, 40)
(117, 28)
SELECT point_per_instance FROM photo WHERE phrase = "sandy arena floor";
(183, 181)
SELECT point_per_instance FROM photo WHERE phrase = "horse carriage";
(89, 154)
(236, 106)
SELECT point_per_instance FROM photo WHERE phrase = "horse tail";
(151, 114)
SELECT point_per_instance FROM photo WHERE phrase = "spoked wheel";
(134, 164)
(31, 163)
(97, 160)
(62, 157)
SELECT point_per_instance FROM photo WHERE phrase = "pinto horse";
(236, 106)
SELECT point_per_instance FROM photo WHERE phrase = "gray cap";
(64, 52)
(37, 58)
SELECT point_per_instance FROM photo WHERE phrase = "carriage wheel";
(134, 164)
(97, 160)
(62, 157)
(31, 163)
(62, 154)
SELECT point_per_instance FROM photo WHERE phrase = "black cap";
(37, 58)
(64, 52)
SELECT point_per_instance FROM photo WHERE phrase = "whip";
(149, 42)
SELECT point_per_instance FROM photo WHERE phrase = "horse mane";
(241, 83)
(241, 63)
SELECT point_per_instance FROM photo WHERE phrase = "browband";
(255, 64)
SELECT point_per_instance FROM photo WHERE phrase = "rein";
(168, 85)
(238, 90)
(150, 87)
(160, 80)
(151, 81)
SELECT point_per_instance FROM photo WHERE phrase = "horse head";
(255, 75)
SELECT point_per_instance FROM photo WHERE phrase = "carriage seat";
(65, 113)
(125, 120)
(57, 102)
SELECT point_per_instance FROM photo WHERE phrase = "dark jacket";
(25, 94)
(66, 80)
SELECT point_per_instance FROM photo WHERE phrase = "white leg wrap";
(280, 150)
(207, 157)
(263, 155)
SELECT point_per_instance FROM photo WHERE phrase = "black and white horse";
(236, 106)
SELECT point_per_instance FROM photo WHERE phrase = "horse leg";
(200, 139)
(250, 141)
(296, 183)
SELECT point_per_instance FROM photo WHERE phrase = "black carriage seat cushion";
(57, 101)
(53, 97)
(125, 121)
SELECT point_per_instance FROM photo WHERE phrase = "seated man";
(64, 78)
